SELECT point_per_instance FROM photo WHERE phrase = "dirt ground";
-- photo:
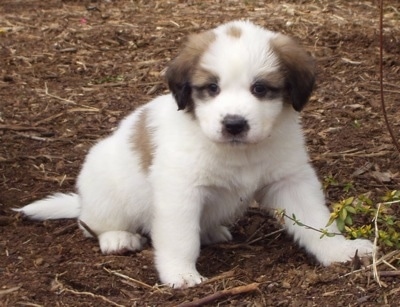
(70, 70)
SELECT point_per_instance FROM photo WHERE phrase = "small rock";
(286, 285)
(39, 261)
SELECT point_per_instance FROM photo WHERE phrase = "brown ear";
(298, 68)
(181, 69)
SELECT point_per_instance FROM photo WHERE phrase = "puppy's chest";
(241, 181)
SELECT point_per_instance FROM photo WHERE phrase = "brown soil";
(70, 70)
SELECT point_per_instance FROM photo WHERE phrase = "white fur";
(199, 180)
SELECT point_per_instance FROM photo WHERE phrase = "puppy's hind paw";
(216, 235)
(120, 242)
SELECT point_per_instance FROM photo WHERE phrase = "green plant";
(362, 207)
(331, 181)
(109, 79)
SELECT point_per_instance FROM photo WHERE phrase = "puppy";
(187, 164)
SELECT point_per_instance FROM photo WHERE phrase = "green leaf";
(340, 224)
(348, 220)
(349, 201)
(351, 209)
(343, 214)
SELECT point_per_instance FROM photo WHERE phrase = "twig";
(22, 128)
(59, 286)
(87, 228)
(221, 294)
(33, 137)
(248, 243)
(389, 127)
(137, 282)
(381, 260)
(389, 273)
(223, 275)
(28, 304)
(64, 230)
(46, 91)
(264, 236)
(299, 223)
(9, 290)
(374, 251)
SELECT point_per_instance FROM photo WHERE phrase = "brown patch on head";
(180, 71)
(298, 69)
(234, 31)
(201, 77)
(141, 141)
(275, 79)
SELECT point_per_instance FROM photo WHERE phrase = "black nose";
(235, 124)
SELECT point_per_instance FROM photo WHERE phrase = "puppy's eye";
(213, 89)
(259, 89)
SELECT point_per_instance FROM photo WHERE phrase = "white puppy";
(183, 175)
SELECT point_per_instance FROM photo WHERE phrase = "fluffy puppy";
(183, 175)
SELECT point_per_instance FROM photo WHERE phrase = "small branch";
(224, 275)
(389, 273)
(87, 228)
(221, 294)
(33, 137)
(46, 91)
(22, 128)
(390, 255)
(59, 286)
(299, 223)
(389, 127)
(64, 230)
(374, 251)
(137, 282)
(9, 290)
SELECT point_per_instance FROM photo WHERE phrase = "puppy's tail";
(57, 206)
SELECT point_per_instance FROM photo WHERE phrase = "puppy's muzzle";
(235, 125)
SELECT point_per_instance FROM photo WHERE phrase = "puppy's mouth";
(237, 141)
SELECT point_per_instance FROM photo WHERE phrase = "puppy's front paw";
(344, 250)
(182, 280)
(216, 235)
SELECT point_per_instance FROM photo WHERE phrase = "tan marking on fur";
(275, 79)
(202, 77)
(298, 68)
(181, 69)
(234, 31)
(141, 141)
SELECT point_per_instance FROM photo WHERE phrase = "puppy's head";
(236, 80)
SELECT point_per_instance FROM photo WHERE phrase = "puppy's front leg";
(176, 234)
(301, 194)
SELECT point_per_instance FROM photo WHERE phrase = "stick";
(374, 251)
(221, 294)
(46, 91)
(87, 228)
(59, 286)
(22, 128)
(383, 105)
(137, 282)
(10, 290)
